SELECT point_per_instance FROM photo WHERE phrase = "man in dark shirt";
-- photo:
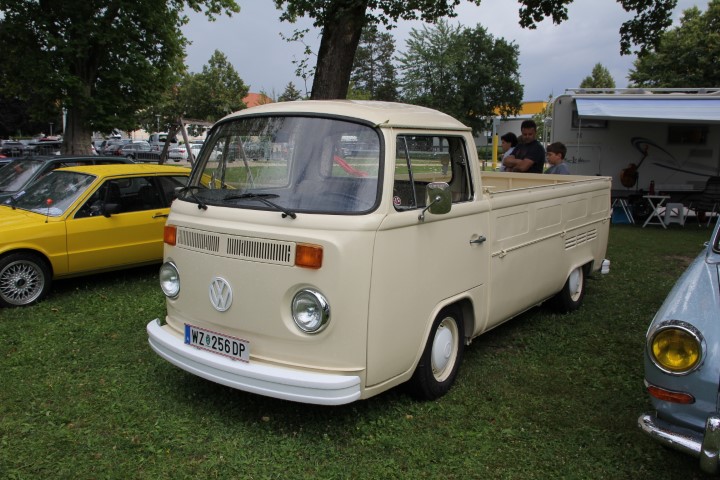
(529, 155)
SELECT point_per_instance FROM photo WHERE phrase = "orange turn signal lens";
(308, 256)
(170, 234)
(670, 396)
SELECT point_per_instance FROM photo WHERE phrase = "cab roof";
(381, 114)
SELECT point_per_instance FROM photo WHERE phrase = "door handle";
(161, 215)
(477, 240)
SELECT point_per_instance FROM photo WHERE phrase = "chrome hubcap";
(575, 284)
(444, 349)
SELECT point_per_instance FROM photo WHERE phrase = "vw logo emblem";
(220, 294)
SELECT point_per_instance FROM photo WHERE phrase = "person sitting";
(556, 158)
(529, 155)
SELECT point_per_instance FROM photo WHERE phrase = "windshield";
(53, 194)
(17, 173)
(289, 164)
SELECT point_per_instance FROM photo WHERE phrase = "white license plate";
(232, 347)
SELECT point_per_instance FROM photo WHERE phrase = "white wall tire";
(441, 358)
(571, 296)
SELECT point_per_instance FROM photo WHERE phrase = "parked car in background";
(112, 145)
(178, 153)
(12, 148)
(196, 147)
(81, 220)
(44, 147)
(682, 362)
(138, 151)
(21, 172)
(158, 140)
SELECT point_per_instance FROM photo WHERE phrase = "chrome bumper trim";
(705, 446)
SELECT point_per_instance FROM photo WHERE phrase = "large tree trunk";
(340, 39)
(77, 137)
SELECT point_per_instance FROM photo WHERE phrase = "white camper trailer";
(670, 137)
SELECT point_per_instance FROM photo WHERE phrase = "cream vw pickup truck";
(326, 251)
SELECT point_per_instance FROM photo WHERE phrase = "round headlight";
(310, 311)
(676, 349)
(169, 279)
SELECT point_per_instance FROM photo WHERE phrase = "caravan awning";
(650, 108)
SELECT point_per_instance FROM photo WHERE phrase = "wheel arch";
(426, 385)
(31, 251)
(586, 263)
(464, 306)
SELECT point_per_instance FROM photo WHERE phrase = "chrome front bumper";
(705, 446)
(269, 380)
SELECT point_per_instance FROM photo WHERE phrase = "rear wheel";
(571, 296)
(440, 361)
(24, 279)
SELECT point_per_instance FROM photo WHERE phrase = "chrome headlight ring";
(310, 311)
(686, 336)
(170, 279)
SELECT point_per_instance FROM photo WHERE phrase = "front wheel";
(571, 296)
(24, 279)
(440, 361)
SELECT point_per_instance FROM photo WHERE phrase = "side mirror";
(110, 209)
(437, 198)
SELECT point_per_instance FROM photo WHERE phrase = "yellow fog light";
(676, 348)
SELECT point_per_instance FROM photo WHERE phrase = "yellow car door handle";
(160, 215)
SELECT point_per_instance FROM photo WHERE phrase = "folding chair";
(708, 201)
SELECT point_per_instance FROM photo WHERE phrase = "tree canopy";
(373, 70)
(599, 78)
(16, 120)
(290, 93)
(100, 60)
(464, 72)
(342, 22)
(213, 93)
(687, 56)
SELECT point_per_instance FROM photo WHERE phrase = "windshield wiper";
(10, 202)
(190, 189)
(263, 197)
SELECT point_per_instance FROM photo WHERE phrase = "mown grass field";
(544, 396)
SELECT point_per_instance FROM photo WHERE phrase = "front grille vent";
(580, 238)
(265, 250)
(233, 246)
(198, 240)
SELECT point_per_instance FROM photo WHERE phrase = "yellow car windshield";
(53, 194)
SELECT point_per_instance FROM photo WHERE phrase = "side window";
(122, 195)
(422, 159)
(140, 194)
(108, 193)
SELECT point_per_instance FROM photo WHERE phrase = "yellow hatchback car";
(82, 220)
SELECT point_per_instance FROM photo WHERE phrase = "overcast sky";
(552, 57)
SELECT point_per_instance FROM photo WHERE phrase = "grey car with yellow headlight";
(682, 363)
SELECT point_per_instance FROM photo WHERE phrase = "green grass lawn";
(544, 396)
